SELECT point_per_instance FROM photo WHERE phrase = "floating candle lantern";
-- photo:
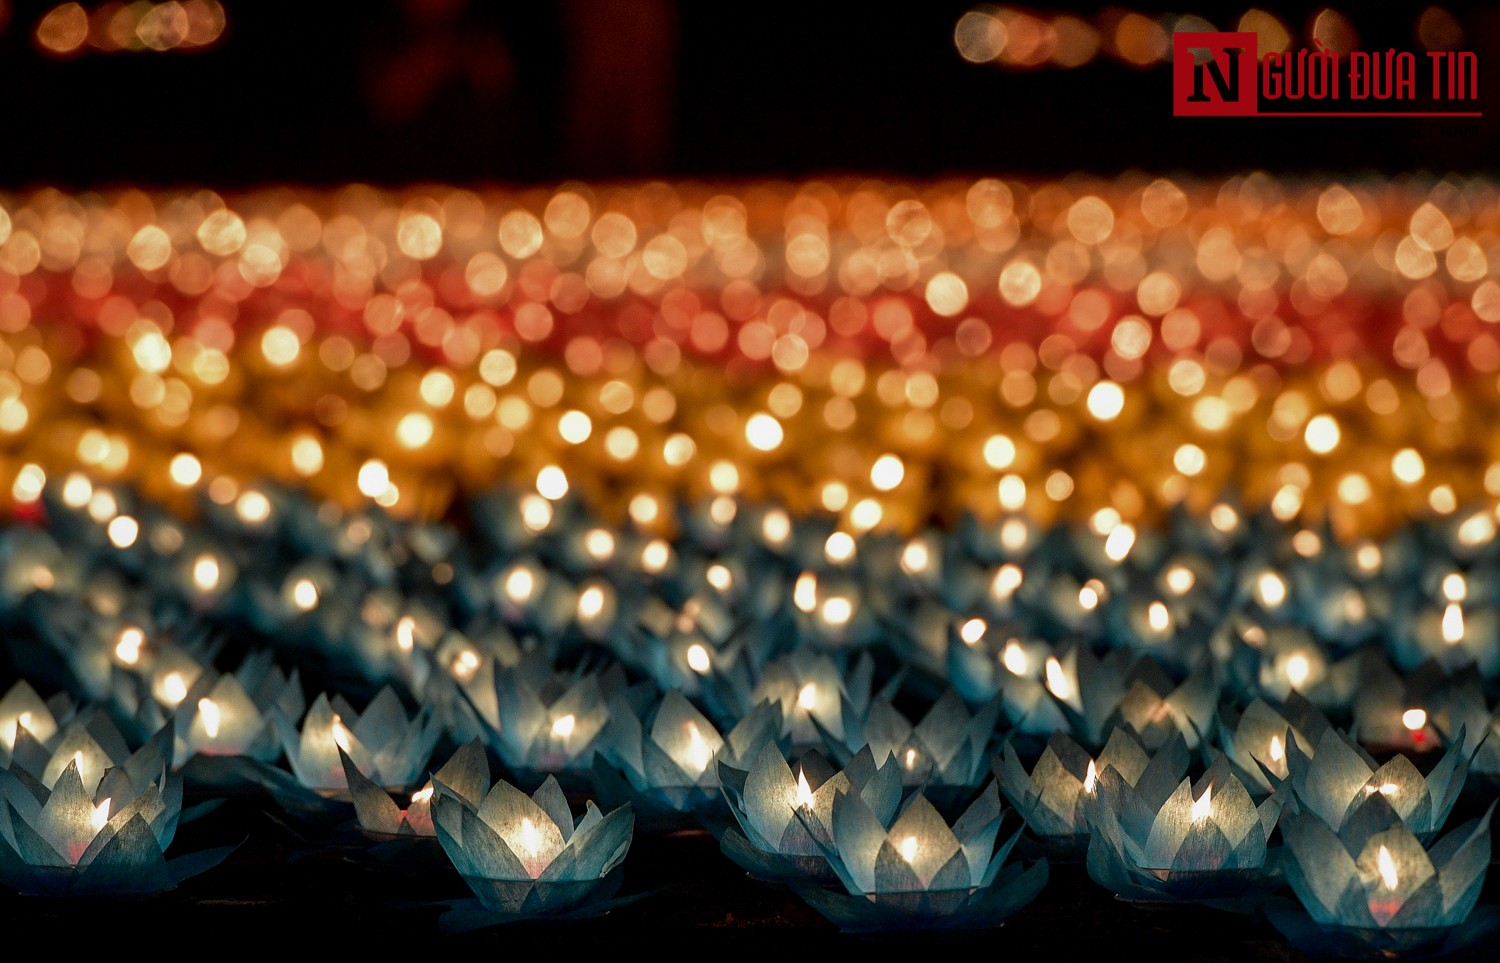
(466, 776)
(1256, 741)
(1339, 779)
(221, 717)
(1206, 840)
(385, 744)
(68, 840)
(1051, 797)
(947, 749)
(670, 767)
(1373, 887)
(915, 871)
(781, 817)
(551, 723)
(526, 856)
(1098, 693)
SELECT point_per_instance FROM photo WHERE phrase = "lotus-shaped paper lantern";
(383, 742)
(814, 693)
(525, 856)
(1206, 840)
(1098, 694)
(73, 841)
(1372, 886)
(21, 708)
(91, 742)
(1256, 741)
(785, 820)
(1051, 797)
(466, 775)
(231, 714)
(669, 768)
(947, 748)
(1339, 778)
(911, 870)
(549, 722)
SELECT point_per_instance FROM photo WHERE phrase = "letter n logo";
(1213, 75)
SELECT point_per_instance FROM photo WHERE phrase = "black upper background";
(291, 95)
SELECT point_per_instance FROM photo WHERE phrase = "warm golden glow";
(531, 838)
(908, 848)
(805, 799)
(1453, 623)
(1157, 617)
(206, 573)
(1203, 806)
(305, 594)
(173, 688)
(699, 753)
(563, 726)
(1058, 682)
(698, 658)
(807, 697)
(211, 714)
(1414, 719)
(128, 646)
(1007, 579)
(99, 815)
(1091, 778)
(1276, 751)
(1119, 543)
(1014, 658)
(972, 631)
(1298, 668)
(590, 602)
(1271, 589)
(1387, 868)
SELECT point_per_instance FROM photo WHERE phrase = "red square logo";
(1213, 75)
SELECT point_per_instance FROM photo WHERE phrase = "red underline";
(1369, 113)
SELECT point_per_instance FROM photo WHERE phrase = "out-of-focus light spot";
(64, 29)
(979, 36)
(1106, 400)
(763, 432)
(280, 345)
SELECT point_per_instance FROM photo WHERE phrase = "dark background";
(403, 91)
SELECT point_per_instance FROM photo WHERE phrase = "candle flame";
(911, 758)
(1272, 589)
(209, 710)
(1453, 624)
(972, 631)
(1387, 867)
(837, 610)
(1013, 657)
(99, 816)
(908, 849)
(1203, 806)
(304, 594)
(406, 633)
(1057, 679)
(1385, 789)
(340, 732)
(173, 688)
(807, 697)
(205, 573)
(465, 664)
(697, 658)
(1298, 668)
(698, 752)
(128, 649)
(563, 726)
(519, 584)
(1414, 719)
(421, 795)
(531, 837)
(804, 791)
(591, 603)
(1278, 751)
(1158, 617)
(1091, 778)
